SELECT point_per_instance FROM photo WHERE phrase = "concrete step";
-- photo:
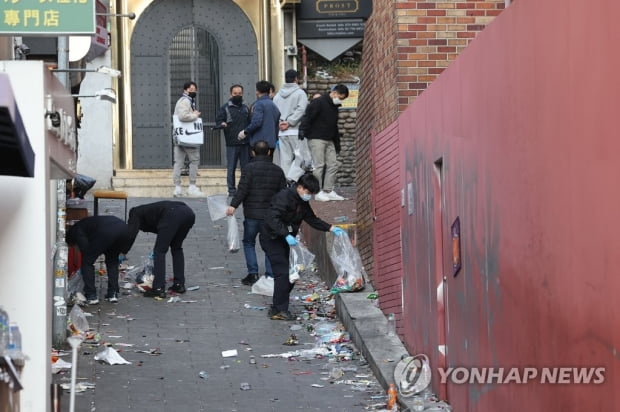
(158, 182)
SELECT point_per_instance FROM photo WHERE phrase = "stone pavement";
(188, 338)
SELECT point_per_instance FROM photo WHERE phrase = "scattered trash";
(79, 387)
(348, 264)
(295, 327)
(252, 360)
(77, 323)
(229, 353)
(224, 367)
(150, 351)
(60, 365)
(247, 306)
(291, 341)
(174, 299)
(191, 288)
(203, 374)
(340, 219)
(111, 356)
(245, 386)
(316, 385)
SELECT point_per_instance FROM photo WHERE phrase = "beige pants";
(193, 154)
(324, 158)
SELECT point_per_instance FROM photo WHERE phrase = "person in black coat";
(260, 180)
(233, 117)
(288, 209)
(320, 126)
(94, 236)
(171, 221)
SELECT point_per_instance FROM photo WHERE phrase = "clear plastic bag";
(300, 259)
(77, 323)
(305, 157)
(348, 264)
(233, 241)
(217, 205)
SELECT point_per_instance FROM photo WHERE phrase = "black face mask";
(236, 100)
(192, 95)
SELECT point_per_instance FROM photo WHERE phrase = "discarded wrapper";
(111, 356)
(229, 353)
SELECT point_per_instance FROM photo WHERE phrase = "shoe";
(272, 311)
(250, 279)
(178, 191)
(193, 191)
(155, 293)
(322, 197)
(334, 196)
(93, 300)
(283, 316)
(177, 288)
(112, 297)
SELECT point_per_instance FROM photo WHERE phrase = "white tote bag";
(187, 133)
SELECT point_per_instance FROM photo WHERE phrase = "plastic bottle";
(391, 325)
(14, 348)
(392, 396)
(4, 331)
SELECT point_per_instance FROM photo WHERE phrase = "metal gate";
(194, 55)
(209, 41)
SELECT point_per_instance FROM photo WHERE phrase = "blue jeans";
(251, 228)
(235, 154)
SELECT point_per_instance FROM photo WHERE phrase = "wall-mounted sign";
(330, 9)
(350, 103)
(318, 29)
(47, 17)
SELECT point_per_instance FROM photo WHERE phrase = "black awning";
(16, 154)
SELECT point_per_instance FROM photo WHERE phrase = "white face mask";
(336, 100)
(306, 197)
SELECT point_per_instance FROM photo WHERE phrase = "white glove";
(241, 135)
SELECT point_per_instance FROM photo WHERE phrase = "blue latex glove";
(291, 240)
(337, 231)
(122, 258)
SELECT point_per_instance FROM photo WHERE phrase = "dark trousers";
(235, 154)
(108, 242)
(277, 250)
(172, 230)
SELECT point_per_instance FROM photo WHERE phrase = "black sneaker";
(283, 316)
(112, 297)
(155, 293)
(250, 279)
(177, 288)
(272, 311)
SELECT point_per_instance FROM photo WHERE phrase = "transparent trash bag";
(305, 157)
(217, 205)
(348, 264)
(232, 239)
(75, 283)
(300, 259)
(77, 323)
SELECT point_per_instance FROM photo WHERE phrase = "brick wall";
(407, 44)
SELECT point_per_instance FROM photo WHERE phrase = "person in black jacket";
(233, 117)
(94, 236)
(288, 209)
(171, 221)
(260, 180)
(320, 126)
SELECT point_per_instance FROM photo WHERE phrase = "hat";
(291, 75)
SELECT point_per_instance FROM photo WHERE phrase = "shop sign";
(57, 17)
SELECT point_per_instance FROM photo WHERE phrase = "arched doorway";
(209, 41)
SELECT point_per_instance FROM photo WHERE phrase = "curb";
(366, 323)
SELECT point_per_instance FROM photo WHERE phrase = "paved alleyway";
(188, 338)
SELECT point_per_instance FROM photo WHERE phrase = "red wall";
(526, 124)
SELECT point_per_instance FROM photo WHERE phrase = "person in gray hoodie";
(291, 101)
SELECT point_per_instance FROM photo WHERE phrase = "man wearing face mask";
(320, 126)
(185, 109)
(233, 117)
(288, 209)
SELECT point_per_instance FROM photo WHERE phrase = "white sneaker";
(322, 197)
(178, 191)
(334, 196)
(193, 191)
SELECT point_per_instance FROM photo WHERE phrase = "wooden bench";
(108, 194)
